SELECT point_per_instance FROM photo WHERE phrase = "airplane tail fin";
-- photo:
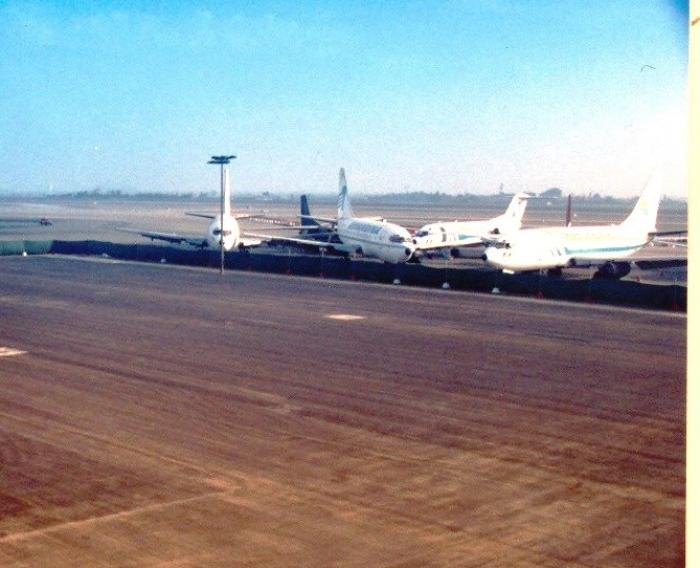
(643, 216)
(227, 194)
(305, 211)
(513, 217)
(344, 208)
(306, 219)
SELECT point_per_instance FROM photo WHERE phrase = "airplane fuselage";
(536, 249)
(231, 233)
(454, 233)
(369, 237)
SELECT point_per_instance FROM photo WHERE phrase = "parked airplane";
(554, 248)
(231, 233)
(365, 236)
(310, 227)
(455, 234)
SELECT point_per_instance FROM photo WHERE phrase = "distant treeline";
(401, 198)
(439, 198)
(99, 193)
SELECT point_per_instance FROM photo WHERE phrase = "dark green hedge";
(600, 290)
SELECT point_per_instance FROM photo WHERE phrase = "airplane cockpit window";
(422, 233)
(398, 239)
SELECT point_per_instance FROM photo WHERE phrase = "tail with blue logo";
(344, 208)
(306, 219)
(305, 211)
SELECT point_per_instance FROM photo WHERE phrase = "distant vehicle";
(362, 236)
(455, 234)
(603, 246)
(44, 221)
(230, 234)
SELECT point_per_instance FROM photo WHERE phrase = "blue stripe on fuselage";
(572, 251)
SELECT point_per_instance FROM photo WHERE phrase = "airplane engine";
(454, 253)
(614, 270)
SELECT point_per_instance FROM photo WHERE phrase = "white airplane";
(231, 234)
(457, 234)
(364, 236)
(554, 248)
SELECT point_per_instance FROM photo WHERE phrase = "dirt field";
(170, 416)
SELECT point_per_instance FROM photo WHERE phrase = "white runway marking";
(10, 351)
(345, 317)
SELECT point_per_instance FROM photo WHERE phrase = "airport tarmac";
(82, 219)
(157, 415)
(75, 219)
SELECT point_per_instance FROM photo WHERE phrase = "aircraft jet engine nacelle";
(231, 233)
(614, 270)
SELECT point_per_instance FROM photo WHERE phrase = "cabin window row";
(365, 228)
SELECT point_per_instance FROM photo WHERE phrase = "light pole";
(221, 161)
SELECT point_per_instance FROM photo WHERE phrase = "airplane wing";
(213, 216)
(260, 216)
(672, 243)
(275, 221)
(622, 267)
(322, 245)
(494, 239)
(464, 242)
(317, 218)
(641, 262)
(668, 234)
(292, 227)
(246, 242)
(168, 237)
(660, 262)
(673, 238)
(278, 224)
(203, 215)
(193, 240)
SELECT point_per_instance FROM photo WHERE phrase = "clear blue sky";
(439, 96)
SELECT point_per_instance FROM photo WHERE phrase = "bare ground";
(169, 416)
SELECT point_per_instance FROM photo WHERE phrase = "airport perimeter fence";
(600, 290)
